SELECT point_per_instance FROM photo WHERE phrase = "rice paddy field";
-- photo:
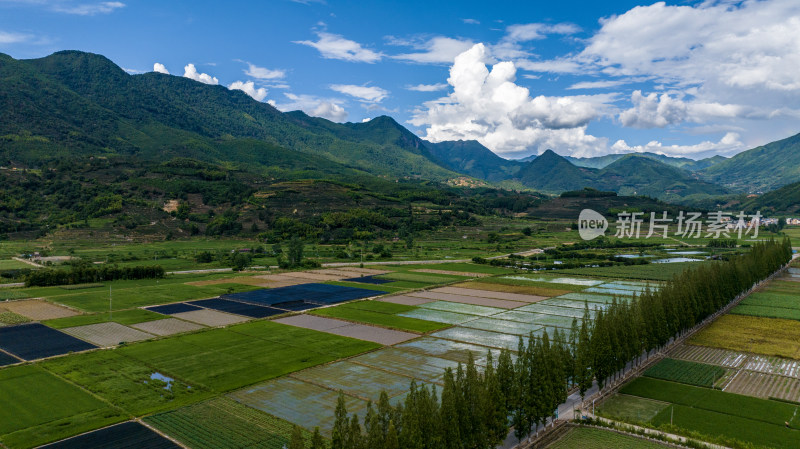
(236, 377)
(736, 382)
(593, 438)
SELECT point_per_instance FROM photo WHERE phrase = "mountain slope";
(679, 162)
(634, 174)
(472, 158)
(785, 200)
(759, 169)
(80, 102)
(550, 172)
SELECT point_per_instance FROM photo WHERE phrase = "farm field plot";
(439, 316)
(750, 408)
(503, 326)
(347, 329)
(498, 285)
(540, 319)
(424, 278)
(299, 402)
(368, 280)
(682, 371)
(228, 358)
(773, 365)
(125, 382)
(583, 282)
(464, 299)
(126, 317)
(592, 438)
(390, 320)
(407, 363)
(37, 309)
(573, 304)
(169, 309)
(313, 292)
(466, 309)
(57, 410)
(506, 296)
(10, 318)
(545, 308)
(766, 311)
(713, 356)
(36, 341)
(633, 409)
(611, 291)
(167, 326)
(356, 380)
(127, 434)
(223, 423)
(763, 385)
(591, 298)
(139, 296)
(404, 300)
(7, 359)
(11, 264)
(107, 334)
(656, 272)
(209, 317)
(237, 308)
(456, 351)
(480, 337)
(769, 336)
(451, 273)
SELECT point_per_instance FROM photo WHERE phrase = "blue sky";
(583, 78)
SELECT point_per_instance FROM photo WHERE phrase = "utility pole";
(110, 309)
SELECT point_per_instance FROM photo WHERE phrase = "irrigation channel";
(575, 407)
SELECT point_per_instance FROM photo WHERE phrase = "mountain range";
(75, 104)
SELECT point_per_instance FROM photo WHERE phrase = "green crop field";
(420, 277)
(125, 382)
(652, 271)
(224, 359)
(726, 417)
(126, 317)
(766, 311)
(10, 318)
(691, 373)
(508, 286)
(224, 423)
(10, 264)
(593, 438)
(633, 409)
(545, 286)
(38, 407)
(386, 319)
(769, 336)
(462, 267)
(763, 410)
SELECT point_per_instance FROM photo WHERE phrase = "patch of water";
(675, 260)
(166, 379)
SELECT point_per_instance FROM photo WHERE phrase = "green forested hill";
(785, 200)
(760, 169)
(72, 103)
(472, 158)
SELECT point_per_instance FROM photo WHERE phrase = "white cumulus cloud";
(428, 87)
(262, 73)
(160, 68)
(334, 46)
(370, 94)
(191, 72)
(250, 89)
(437, 50)
(88, 9)
(328, 108)
(729, 144)
(488, 106)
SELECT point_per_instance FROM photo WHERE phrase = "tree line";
(86, 274)
(523, 390)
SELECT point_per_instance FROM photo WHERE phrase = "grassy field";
(223, 422)
(126, 317)
(717, 414)
(593, 438)
(38, 407)
(125, 382)
(10, 318)
(768, 336)
(224, 359)
(462, 267)
(682, 371)
(10, 264)
(633, 409)
(381, 314)
(653, 271)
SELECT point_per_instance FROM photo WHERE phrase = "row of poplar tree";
(476, 406)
